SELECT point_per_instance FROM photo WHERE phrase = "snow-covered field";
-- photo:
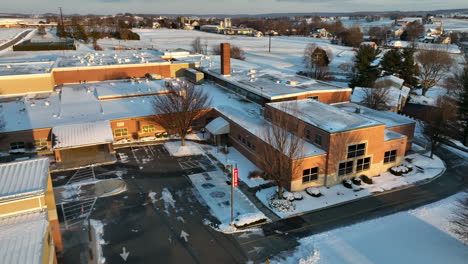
(339, 194)
(8, 33)
(417, 236)
(176, 149)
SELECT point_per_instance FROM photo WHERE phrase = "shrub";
(255, 174)
(400, 170)
(298, 196)
(347, 184)
(366, 179)
(312, 191)
(356, 180)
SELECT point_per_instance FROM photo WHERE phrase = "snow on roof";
(324, 116)
(84, 134)
(125, 88)
(391, 135)
(23, 177)
(246, 114)
(218, 126)
(22, 239)
(266, 82)
(397, 81)
(109, 57)
(18, 68)
(390, 119)
(450, 48)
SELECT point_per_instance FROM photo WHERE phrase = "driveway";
(15, 40)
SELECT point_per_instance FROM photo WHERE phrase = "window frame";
(307, 133)
(357, 152)
(17, 145)
(391, 157)
(315, 97)
(310, 174)
(347, 169)
(121, 132)
(365, 164)
(149, 128)
(40, 142)
(319, 141)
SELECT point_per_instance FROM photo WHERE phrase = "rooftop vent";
(357, 110)
(292, 82)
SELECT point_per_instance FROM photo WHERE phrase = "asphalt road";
(151, 232)
(15, 40)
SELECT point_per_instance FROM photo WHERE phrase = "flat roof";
(25, 177)
(22, 239)
(324, 116)
(19, 68)
(109, 57)
(83, 134)
(71, 104)
(390, 119)
(127, 88)
(392, 135)
(246, 114)
(268, 83)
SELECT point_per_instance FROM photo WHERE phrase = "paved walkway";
(15, 40)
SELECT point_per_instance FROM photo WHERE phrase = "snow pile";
(71, 191)
(123, 157)
(397, 238)
(175, 149)
(166, 196)
(440, 213)
(249, 218)
(424, 169)
(313, 191)
(98, 227)
(152, 196)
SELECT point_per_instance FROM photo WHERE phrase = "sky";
(221, 6)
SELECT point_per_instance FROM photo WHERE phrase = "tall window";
(17, 145)
(362, 164)
(356, 150)
(345, 168)
(148, 129)
(307, 133)
(40, 142)
(318, 139)
(121, 132)
(309, 175)
(390, 156)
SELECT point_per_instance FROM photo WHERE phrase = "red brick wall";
(27, 136)
(408, 131)
(75, 75)
(225, 59)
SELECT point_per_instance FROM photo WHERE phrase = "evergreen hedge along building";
(77, 123)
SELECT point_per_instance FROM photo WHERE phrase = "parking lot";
(158, 219)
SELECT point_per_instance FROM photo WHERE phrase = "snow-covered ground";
(215, 192)
(8, 33)
(98, 228)
(339, 194)
(417, 236)
(175, 149)
(244, 165)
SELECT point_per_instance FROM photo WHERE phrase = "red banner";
(235, 177)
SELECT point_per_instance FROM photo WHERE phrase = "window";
(356, 150)
(390, 156)
(17, 145)
(310, 175)
(363, 164)
(307, 133)
(121, 132)
(345, 168)
(40, 142)
(149, 129)
(318, 139)
(239, 137)
(313, 97)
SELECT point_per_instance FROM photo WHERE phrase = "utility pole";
(61, 16)
(269, 43)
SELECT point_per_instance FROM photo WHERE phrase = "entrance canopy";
(218, 126)
(84, 134)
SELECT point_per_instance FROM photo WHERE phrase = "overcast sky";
(222, 6)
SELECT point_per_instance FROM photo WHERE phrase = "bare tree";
(413, 31)
(316, 61)
(236, 51)
(198, 46)
(177, 110)
(440, 122)
(460, 220)
(376, 98)
(433, 63)
(281, 155)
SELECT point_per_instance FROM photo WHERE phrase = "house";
(320, 33)
(369, 43)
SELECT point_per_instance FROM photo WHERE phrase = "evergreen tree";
(61, 31)
(463, 105)
(409, 69)
(365, 71)
(392, 61)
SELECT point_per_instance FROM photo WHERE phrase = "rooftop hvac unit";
(292, 82)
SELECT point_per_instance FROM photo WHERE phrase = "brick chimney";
(225, 59)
